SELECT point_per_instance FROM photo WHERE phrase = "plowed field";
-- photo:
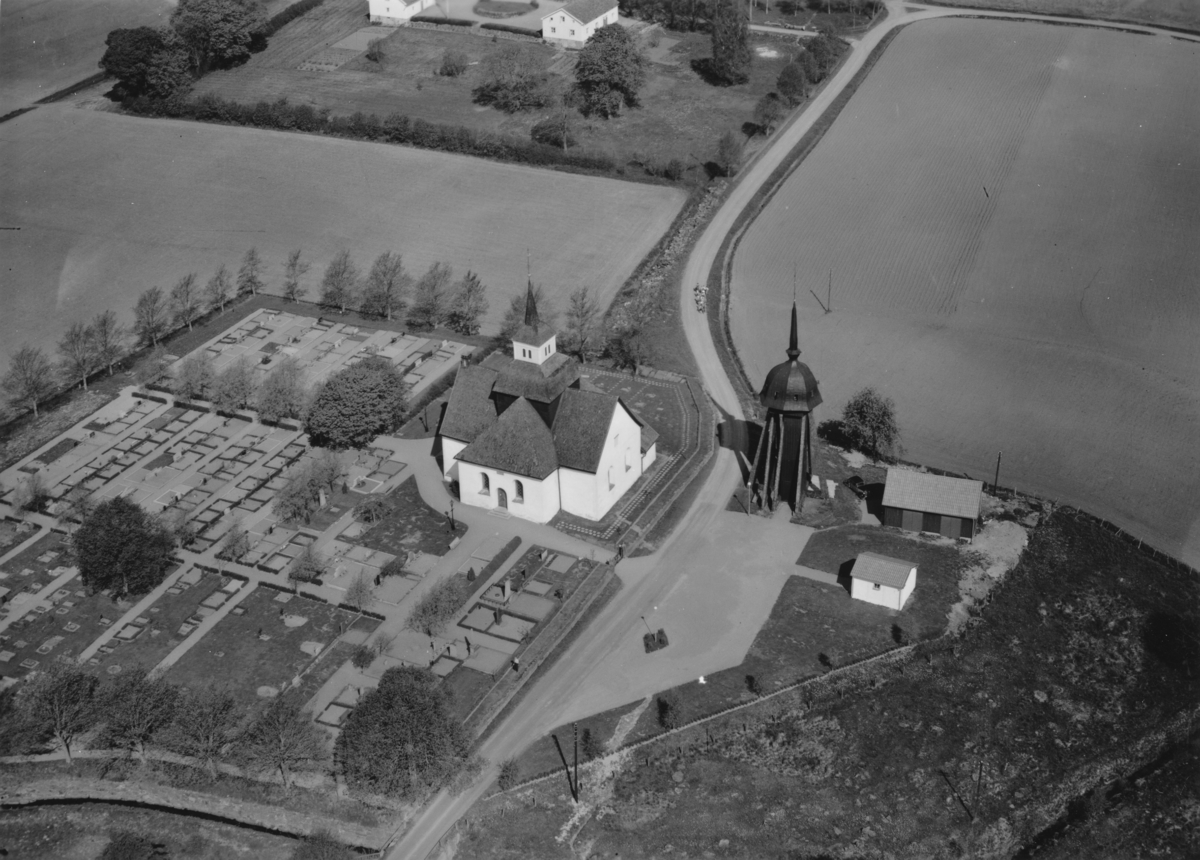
(107, 206)
(1009, 211)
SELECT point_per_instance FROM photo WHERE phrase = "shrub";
(362, 657)
(438, 19)
(670, 710)
(508, 28)
(454, 63)
(869, 422)
(436, 609)
(127, 845)
(509, 774)
(554, 131)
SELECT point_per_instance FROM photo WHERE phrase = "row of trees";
(136, 712)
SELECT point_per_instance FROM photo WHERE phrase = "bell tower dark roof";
(791, 386)
(532, 331)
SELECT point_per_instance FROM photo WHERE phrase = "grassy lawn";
(466, 687)
(265, 647)
(1020, 718)
(543, 756)
(412, 526)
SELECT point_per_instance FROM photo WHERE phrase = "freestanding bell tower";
(783, 457)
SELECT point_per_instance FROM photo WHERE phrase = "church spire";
(793, 349)
(531, 312)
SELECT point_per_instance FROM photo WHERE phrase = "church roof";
(791, 386)
(518, 442)
(541, 382)
(581, 428)
(470, 409)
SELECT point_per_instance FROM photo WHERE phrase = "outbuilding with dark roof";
(924, 502)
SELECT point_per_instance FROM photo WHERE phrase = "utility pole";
(575, 728)
(996, 483)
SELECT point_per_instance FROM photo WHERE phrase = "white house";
(524, 433)
(396, 12)
(573, 24)
(882, 580)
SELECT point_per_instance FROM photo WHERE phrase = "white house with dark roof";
(882, 580)
(396, 12)
(525, 433)
(573, 24)
(923, 502)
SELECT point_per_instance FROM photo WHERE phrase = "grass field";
(1007, 212)
(46, 45)
(1184, 14)
(95, 232)
(680, 115)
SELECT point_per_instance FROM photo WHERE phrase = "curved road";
(648, 579)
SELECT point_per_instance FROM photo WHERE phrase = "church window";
(628, 461)
(875, 586)
(520, 493)
(610, 478)
(487, 485)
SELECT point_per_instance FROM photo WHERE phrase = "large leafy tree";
(339, 286)
(430, 297)
(610, 71)
(514, 79)
(195, 377)
(869, 422)
(147, 61)
(234, 387)
(61, 702)
(793, 83)
(383, 293)
(30, 378)
(401, 738)
(216, 32)
(467, 304)
(730, 62)
(121, 547)
(357, 404)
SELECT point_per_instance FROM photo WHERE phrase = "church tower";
(534, 341)
(783, 457)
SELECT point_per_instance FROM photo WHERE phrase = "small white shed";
(882, 580)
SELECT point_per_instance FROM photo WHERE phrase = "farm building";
(882, 580)
(921, 502)
(573, 24)
(525, 434)
(395, 12)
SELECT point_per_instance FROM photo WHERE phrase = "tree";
(152, 368)
(454, 63)
(309, 566)
(628, 345)
(383, 293)
(767, 112)
(249, 276)
(357, 404)
(293, 271)
(108, 338)
(869, 422)
(609, 73)
(121, 547)
(146, 61)
(195, 376)
(218, 289)
(234, 387)
(77, 353)
(179, 525)
(216, 32)
(582, 314)
(510, 772)
(30, 378)
(372, 509)
(61, 702)
(32, 494)
(186, 305)
(730, 62)
(514, 79)
(402, 738)
(467, 305)
(328, 468)
(320, 845)
(359, 594)
(555, 130)
(299, 498)
(436, 609)
(283, 738)
(282, 393)
(77, 505)
(151, 316)
(340, 283)
(205, 721)
(793, 83)
(514, 316)
(429, 298)
(670, 708)
(236, 542)
(729, 153)
(136, 708)
(127, 845)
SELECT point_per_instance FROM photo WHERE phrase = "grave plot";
(269, 639)
(291, 544)
(347, 562)
(34, 568)
(57, 629)
(172, 618)
(12, 534)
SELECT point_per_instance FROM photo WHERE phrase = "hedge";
(436, 19)
(520, 31)
(395, 128)
(287, 15)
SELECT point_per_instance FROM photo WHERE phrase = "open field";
(1168, 13)
(94, 234)
(680, 116)
(46, 45)
(1051, 317)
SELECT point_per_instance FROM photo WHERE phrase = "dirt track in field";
(1054, 316)
(109, 205)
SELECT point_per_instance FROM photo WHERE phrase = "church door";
(502, 498)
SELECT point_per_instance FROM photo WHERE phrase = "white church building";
(525, 433)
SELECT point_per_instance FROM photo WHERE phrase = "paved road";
(648, 581)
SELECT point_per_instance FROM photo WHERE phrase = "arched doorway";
(501, 498)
